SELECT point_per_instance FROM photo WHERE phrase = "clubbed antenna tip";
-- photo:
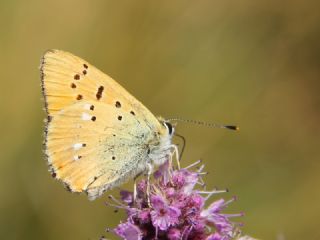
(231, 127)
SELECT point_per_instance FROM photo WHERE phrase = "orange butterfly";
(97, 135)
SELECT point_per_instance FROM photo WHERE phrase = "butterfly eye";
(169, 127)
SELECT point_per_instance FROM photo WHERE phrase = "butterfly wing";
(96, 132)
(67, 79)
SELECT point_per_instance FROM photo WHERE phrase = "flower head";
(163, 216)
(175, 209)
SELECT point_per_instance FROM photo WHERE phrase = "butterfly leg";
(176, 152)
(134, 190)
(150, 169)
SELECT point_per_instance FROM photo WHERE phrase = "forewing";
(67, 79)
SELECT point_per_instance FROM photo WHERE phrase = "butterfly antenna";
(213, 125)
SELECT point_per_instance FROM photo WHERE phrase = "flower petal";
(128, 231)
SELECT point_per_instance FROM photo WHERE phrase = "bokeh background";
(251, 63)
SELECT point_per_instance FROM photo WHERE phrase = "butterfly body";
(98, 136)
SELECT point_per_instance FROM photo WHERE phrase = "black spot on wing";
(67, 186)
(49, 118)
(118, 104)
(76, 77)
(53, 174)
(99, 92)
(79, 97)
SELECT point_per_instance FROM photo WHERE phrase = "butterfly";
(97, 135)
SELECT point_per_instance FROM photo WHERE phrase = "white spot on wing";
(77, 146)
(87, 106)
(76, 157)
(85, 116)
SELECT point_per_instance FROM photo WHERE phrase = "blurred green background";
(251, 63)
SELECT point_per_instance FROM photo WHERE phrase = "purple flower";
(185, 180)
(163, 216)
(128, 231)
(174, 234)
(214, 236)
(175, 209)
(144, 216)
(221, 221)
(126, 196)
(162, 173)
